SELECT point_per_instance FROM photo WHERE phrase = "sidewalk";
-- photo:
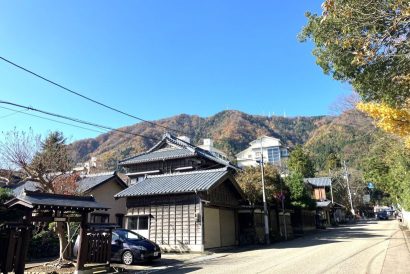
(397, 258)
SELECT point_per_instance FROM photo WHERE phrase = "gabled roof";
(85, 184)
(90, 182)
(170, 147)
(176, 183)
(319, 181)
(32, 199)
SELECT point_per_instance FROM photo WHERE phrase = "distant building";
(87, 167)
(272, 149)
(208, 144)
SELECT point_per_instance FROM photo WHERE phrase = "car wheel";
(127, 257)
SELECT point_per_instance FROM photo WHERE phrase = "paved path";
(372, 247)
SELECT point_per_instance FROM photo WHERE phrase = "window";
(114, 237)
(119, 219)
(284, 152)
(138, 223)
(274, 155)
(99, 218)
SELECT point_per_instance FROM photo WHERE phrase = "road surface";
(359, 248)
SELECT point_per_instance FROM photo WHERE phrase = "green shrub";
(44, 245)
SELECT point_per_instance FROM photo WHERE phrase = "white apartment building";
(273, 152)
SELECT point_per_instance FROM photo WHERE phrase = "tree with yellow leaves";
(390, 119)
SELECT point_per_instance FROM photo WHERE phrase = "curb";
(403, 230)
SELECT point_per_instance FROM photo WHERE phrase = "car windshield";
(129, 235)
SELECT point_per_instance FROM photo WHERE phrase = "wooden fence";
(99, 247)
(11, 243)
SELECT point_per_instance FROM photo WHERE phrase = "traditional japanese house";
(103, 187)
(327, 211)
(182, 197)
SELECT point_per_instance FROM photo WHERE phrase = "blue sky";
(157, 59)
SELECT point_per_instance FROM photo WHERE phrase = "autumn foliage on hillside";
(231, 131)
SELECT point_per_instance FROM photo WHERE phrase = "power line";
(88, 98)
(13, 113)
(48, 119)
(77, 120)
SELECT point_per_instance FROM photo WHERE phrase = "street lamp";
(265, 205)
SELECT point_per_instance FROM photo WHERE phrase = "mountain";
(231, 131)
(348, 136)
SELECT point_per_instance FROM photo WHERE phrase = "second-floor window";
(274, 155)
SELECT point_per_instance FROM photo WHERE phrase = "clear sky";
(157, 59)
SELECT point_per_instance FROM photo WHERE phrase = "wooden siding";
(223, 195)
(168, 166)
(319, 194)
(173, 219)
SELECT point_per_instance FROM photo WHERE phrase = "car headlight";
(140, 248)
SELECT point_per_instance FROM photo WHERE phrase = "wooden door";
(228, 230)
(212, 228)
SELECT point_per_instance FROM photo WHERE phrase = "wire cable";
(49, 119)
(88, 98)
(14, 112)
(77, 120)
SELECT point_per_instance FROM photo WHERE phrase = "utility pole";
(265, 206)
(331, 186)
(346, 175)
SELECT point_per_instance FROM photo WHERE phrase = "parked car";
(130, 247)
(382, 215)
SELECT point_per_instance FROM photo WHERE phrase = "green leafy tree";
(365, 43)
(300, 166)
(251, 183)
(5, 195)
(301, 163)
(388, 165)
(299, 194)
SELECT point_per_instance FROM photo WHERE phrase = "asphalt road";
(359, 248)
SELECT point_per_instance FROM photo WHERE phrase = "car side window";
(114, 237)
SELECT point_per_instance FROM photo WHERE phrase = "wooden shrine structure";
(45, 207)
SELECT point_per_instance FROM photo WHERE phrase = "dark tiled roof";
(36, 199)
(85, 184)
(161, 154)
(179, 149)
(320, 181)
(185, 182)
(19, 188)
(91, 181)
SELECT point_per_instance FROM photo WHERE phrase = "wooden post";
(20, 262)
(109, 247)
(82, 249)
